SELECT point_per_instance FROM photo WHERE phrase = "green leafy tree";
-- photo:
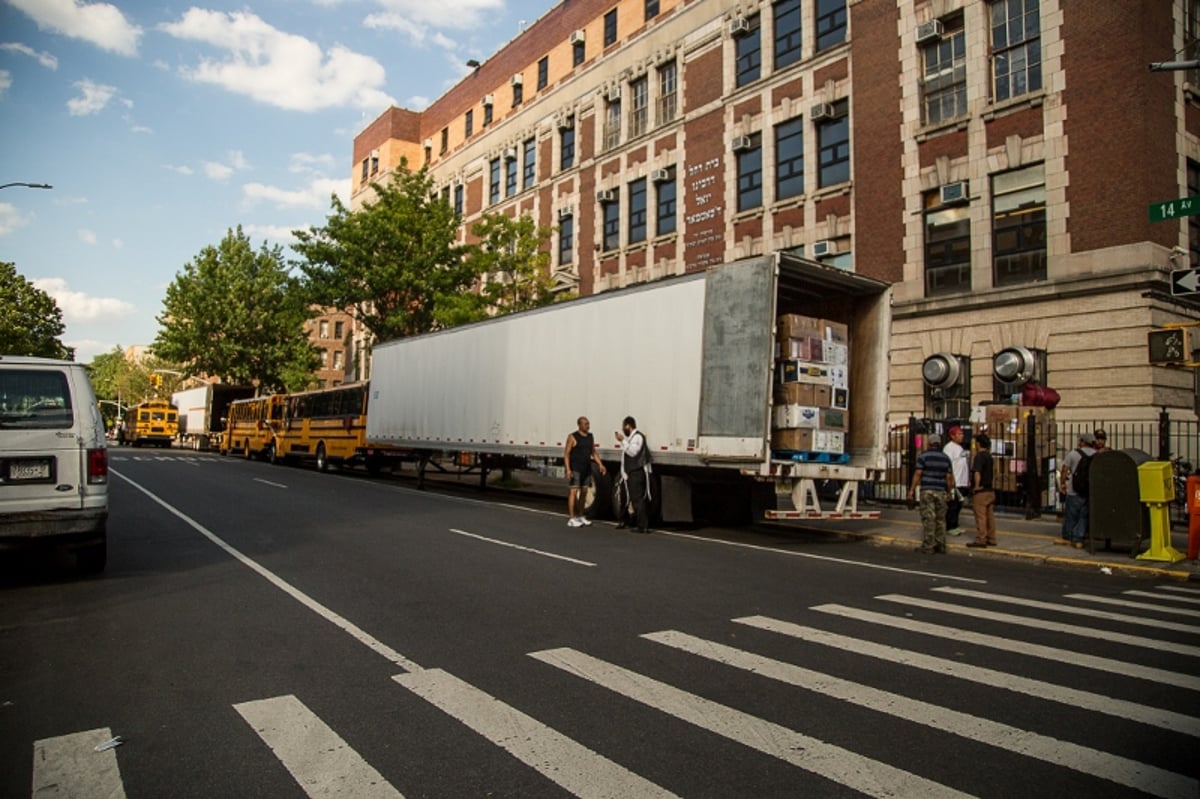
(513, 263)
(237, 313)
(393, 262)
(30, 320)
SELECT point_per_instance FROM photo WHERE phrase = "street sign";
(1173, 209)
(1167, 346)
(1185, 281)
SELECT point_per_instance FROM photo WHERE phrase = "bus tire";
(322, 458)
(247, 453)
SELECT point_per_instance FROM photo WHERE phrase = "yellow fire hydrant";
(1156, 486)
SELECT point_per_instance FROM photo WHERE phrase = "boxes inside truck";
(812, 397)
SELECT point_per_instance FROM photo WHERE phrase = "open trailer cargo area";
(696, 360)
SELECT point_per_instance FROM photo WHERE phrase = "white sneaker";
(573, 522)
(585, 521)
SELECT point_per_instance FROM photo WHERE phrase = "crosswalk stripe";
(1169, 597)
(1174, 678)
(1114, 768)
(1129, 603)
(1069, 609)
(69, 766)
(316, 756)
(1097, 703)
(1179, 589)
(555, 756)
(1045, 624)
(851, 769)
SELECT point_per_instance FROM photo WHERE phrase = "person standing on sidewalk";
(932, 482)
(579, 455)
(960, 461)
(983, 496)
(1075, 518)
(635, 474)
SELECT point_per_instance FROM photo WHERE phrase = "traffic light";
(156, 380)
(1168, 346)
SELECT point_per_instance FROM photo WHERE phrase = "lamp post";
(27, 185)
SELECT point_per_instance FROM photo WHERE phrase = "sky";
(162, 125)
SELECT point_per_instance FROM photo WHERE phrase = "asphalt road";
(275, 632)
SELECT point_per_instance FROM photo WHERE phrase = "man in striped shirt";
(932, 484)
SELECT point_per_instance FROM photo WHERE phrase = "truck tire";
(272, 454)
(598, 498)
(322, 458)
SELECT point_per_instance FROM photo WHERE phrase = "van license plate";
(29, 470)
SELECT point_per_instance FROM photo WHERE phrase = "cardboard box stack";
(812, 396)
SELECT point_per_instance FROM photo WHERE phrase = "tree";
(237, 313)
(30, 320)
(513, 263)
(393, 262)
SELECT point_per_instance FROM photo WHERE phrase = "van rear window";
(34, 400)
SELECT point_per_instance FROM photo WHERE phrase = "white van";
(53, 460)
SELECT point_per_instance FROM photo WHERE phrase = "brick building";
(993, 159)
(334, 334)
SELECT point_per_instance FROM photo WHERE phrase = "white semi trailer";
(203, 411)
(691, 358)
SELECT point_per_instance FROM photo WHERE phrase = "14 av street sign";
(1173, 209)
(1185, 281)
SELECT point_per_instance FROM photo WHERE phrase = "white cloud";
(118, 244)
(417, 103)
(79, 307)
(94, 97)
(5, 80)
(140, 129)
(406, 14)
(182, 169)
(45, 59)
(11, 219)
(308, 163)
(275, 234)
(86, 349)
(87, 236)
(102, 24)
(315, 195)
(278, 68)
(217, 171)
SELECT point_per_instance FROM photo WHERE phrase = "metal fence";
(1030, 454)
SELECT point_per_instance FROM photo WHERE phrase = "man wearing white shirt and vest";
(635, 474)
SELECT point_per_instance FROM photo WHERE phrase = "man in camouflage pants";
(933, 480)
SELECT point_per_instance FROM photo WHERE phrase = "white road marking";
(1181, 589)
(268, 482)
(522, 548)
(1055, 654)
(344, 624)
(321, 762)
(560, 759)
(843, 766)
(1121, 770)
(1169, 597)
(1129, 603)
(1107, 636)
(1097, 703)
(1069, 609)
(69, 766)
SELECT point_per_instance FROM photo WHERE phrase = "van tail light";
(97, 466)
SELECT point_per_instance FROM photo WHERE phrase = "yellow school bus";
(252, 424)
(327, 426)
(151, 423)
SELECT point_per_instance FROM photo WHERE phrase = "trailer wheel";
(322, 458)
(272, 454)
(598, 497)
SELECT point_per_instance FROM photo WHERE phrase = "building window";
(665, 205)
(1016, 48)
(1191, 36)
(749, 174)
(543, 69)
(375, 163)
(566, 239)
(518, 93)
(338, 330)
(337, 359)
(324, 359)
(469, 122)
(494, 181)
(487, 115)
(323, 326)
(1007, 392)
(612, 225)
(366, 169)
(668, 91)
(529, 174)
(788, 29)
(612, 124)
(947, 247)
(458, 200)
(747, 52)
(831, 23)
(639, 101)
(610, 28)
(1193, 190)
(951, 402)
(637, 210)
(1019, 226)
(651, 9)
(445, 140)
(510, 176)
(833, 144)
(789, 159)
(944, 82)
(578, 53)
(566, 158)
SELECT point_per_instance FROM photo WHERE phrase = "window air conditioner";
(516, 80)
(428, 143)
(565, 122)
(606, 196)
(739, 26)
(577, 37)
(954, 193)
(510, 154)
(565, 213)
(488, 99)
(741, 143)
(614, 94)
(661, 175)
(821, 111)
(928, 31)
(822, 249)
(374, 153)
